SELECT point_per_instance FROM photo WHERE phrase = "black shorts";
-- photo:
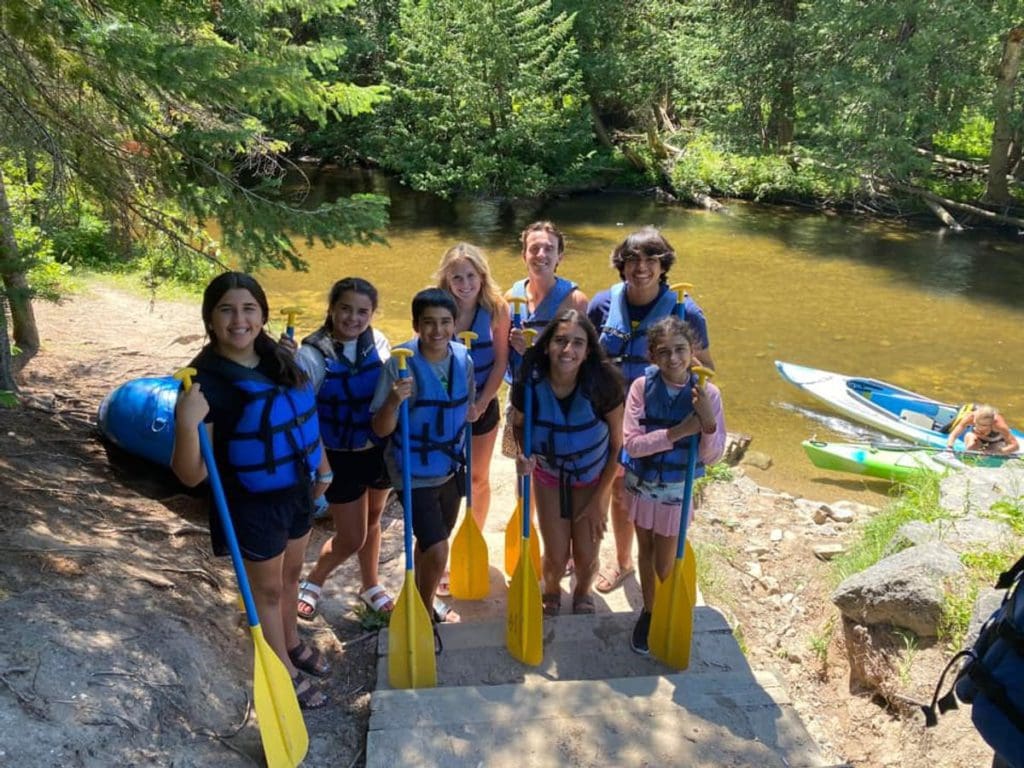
(264, 523)
(354, 472)
(488, 420)
(434, 512)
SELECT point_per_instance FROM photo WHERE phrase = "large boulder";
(976, 489)
(963, 534)
(903, 590)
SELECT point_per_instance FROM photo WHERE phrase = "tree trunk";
(783, 107)
(19, 298)
(997, 190)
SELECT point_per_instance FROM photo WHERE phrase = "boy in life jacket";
(664, 408)
(440, 389)
(989, 432)
(624, 314)
(260, 411)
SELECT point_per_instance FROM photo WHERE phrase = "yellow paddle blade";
(690, 572)
(470, 571)
(282, 729)
(513, 535)
(672, 620)
(411, 661)
(524, 618)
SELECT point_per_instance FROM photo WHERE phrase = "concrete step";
(591, 702)
(575, 648)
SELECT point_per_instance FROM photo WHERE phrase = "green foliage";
(982, 569)
(8, 399)
(916, 500)
(486, 98)
(1009, 511)
(972, 139)
(821, 641)
(371, 620)
(715, 473)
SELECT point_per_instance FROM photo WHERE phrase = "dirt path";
(122, 643)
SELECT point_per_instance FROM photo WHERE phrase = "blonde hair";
(986, 411)
(490, 295)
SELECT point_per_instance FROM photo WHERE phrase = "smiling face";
(350, 315)
(235, 322)
(436, 327)
(567, 349)
(642, 271)
(540, 252)
(464, 282)
(673, 356)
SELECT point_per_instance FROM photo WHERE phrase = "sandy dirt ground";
(122, 643)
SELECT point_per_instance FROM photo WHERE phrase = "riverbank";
(122, 640)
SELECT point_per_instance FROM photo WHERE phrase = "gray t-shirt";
(388, 376)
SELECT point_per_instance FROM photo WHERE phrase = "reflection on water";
(939, 313)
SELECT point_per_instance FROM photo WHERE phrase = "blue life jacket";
(627, 346)
(482, 350)
(437, 416)
(343, 402)
(573, 444)
(661, 412)
(542, 314)
(275, 444)
(989, 679)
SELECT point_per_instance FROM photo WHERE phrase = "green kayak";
(891, 461)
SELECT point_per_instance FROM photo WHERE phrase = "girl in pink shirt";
(664, 408)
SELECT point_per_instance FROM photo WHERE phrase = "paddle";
(690, 559)
(291, 312)
(282, 729)
(411, 662)
(469, 571)
(671, 629)
(525, 615)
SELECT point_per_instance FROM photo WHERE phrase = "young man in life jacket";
(439, 389)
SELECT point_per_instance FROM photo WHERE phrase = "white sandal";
(309, 594)
(376, 598)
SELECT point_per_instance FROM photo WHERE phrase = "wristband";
(326, 477)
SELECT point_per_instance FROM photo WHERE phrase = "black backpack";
(991, 675)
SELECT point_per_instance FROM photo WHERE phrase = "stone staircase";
(591, 702)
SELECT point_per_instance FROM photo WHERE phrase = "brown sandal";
(583, 604)
(309, 696)
(552, 602)
(308, 659)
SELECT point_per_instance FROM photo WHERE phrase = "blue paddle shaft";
(691, 470)
(527, 443)
(229, 529)
(403, 424)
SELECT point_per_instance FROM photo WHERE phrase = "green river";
(933, 311)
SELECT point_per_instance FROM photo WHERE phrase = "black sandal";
(309, 696)
(309, 660)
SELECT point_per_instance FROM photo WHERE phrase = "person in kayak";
(576, 398)
(663, 408)
(260, 411)
(343, 359)
(623, 314)
(989, 432)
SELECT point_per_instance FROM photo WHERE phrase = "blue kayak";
(881, 405)
(138, 417)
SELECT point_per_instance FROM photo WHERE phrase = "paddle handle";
(681, 289)
(403, 426)
(290, 313)
(703, 374)
(206, 449)
(517, 303)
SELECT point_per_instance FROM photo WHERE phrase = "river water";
(936, 312)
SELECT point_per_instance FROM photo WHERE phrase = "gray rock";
(989, 600)
(904, 590)
(960, 535)
(855, 508)
(976, 489)
(757, 459)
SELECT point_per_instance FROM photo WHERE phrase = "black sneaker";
(638, 642)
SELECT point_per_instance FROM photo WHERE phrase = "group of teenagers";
(614, 407)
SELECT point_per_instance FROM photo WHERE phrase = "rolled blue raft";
(138, 417)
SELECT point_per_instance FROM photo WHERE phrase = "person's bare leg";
(369, 553)
(483, 451)
(646, 565)
(555, 532)
(622, 529)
